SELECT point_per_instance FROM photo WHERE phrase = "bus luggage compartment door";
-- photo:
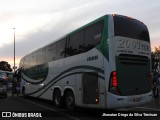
(90, 88)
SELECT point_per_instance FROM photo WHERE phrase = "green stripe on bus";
(103, 47)
(54, 82)
(68, 70)
(57, 77)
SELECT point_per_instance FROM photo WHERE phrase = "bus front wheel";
(70, 101)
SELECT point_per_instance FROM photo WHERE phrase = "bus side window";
(50, 52)
(93, 35)
(41, 53)
(26, 61)
(60, 50)
(76, 43)
(32, 59)
(22, 62)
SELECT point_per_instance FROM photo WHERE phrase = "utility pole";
(14, 67)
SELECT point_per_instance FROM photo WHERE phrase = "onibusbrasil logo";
(21, 114)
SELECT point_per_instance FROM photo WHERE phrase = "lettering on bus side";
(91, 58)
(134, 44)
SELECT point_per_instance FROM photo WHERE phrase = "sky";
(38, 22)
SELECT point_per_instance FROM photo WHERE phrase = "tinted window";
(21, 62)
(60, 48)
(76, 43)
(26, 61)
(32, 60)
(2, 73)
(41, 56)
(50, 52)
(127, 27)
(93, 35)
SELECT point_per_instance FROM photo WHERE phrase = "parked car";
(3, 91)
(3, 83)
(3, 75)
(10, 75)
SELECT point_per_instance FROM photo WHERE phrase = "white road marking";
(51, 109)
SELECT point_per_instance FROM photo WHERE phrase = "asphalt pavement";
(20, 104)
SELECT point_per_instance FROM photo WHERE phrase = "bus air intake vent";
(133, 59)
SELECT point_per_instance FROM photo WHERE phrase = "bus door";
(90, 88)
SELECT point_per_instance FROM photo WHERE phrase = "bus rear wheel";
(57, 99)
(70, 101)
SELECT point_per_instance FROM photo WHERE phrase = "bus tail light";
(114, 79)
(113, 88)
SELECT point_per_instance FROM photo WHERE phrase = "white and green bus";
(104, 64)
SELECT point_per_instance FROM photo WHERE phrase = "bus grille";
(133, 59)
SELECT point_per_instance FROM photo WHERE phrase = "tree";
(156, 60)
(5, 66)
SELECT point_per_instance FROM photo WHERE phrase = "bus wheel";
(70, 101)
(57, 99)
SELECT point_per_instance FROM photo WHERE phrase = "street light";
(14, 67)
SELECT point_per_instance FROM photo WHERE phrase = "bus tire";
(57, 99)
(69, 101)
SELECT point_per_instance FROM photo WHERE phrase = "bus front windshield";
(129, 27)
